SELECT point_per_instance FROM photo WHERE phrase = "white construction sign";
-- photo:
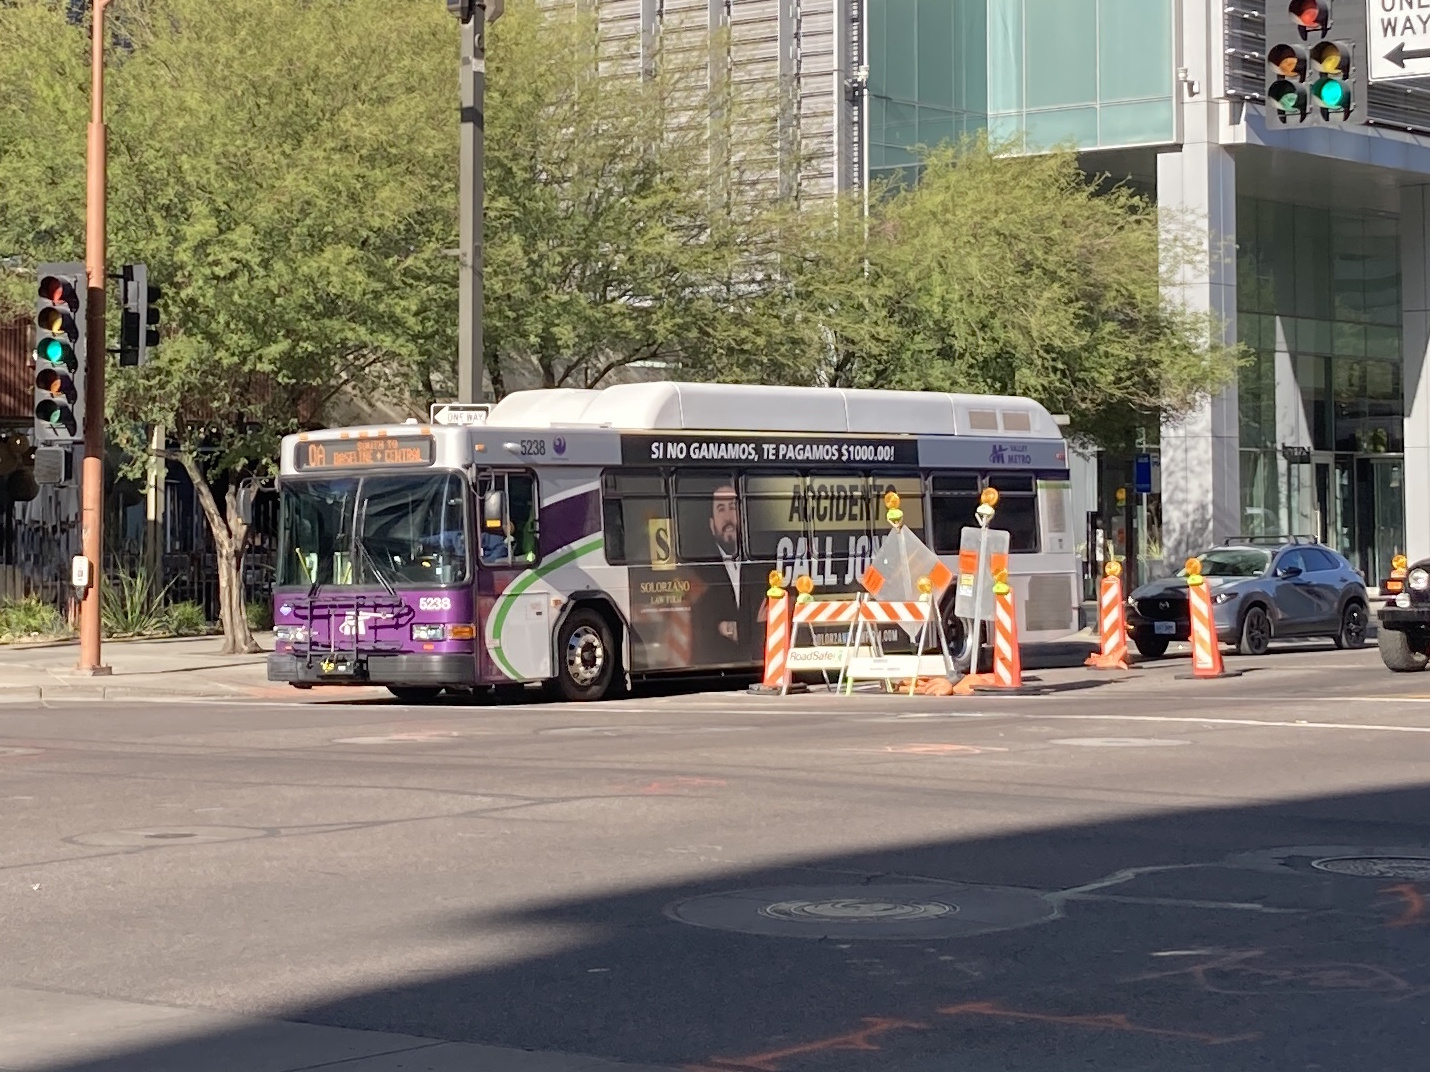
(1399, 36)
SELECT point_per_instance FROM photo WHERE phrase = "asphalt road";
(1149, 874)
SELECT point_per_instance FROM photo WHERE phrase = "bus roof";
(666, 406)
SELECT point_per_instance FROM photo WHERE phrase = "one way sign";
(1399, 37)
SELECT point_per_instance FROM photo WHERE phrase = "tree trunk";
(230, 536)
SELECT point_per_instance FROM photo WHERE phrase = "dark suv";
(1404, 638)
(1262, 587)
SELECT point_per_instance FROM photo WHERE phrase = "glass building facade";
(1320, 404)
(1090, 74)
(1320, 401)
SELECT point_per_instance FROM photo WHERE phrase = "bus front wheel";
(587, 661)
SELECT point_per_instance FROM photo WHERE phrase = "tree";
(287, 171)
(1018, 274)
(635, 211)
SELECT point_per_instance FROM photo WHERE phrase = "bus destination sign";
(371, 453)
(773, 450)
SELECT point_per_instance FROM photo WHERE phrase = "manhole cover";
(923, 911)
(1120, 742)
(189, 835)
(1415, 868)
(859, 909)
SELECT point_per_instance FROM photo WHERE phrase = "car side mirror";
(1289, 571)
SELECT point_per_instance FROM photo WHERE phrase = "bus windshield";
(390, 530)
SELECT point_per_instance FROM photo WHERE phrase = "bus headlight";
(1419, 580)
(293, 634)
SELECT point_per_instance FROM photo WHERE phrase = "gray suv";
(1262, 587)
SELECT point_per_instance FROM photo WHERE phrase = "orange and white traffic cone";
(777, 640)
(1206, 649)
(1112, 623)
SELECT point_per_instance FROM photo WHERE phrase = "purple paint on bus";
(370, 619)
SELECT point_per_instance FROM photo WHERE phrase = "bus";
(582, 539)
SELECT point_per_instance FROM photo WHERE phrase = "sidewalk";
(181, 667)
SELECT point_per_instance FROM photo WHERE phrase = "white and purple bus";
(586, 538)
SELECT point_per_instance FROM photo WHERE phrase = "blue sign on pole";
(1142, 474)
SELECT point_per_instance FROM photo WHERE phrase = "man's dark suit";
(716, 604)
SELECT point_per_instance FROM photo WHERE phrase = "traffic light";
(139, 326)
(17, 468)
(1312, 73)
(60, 354)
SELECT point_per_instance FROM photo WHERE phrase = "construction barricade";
(876, 665)
(1206, 648)
(1111, 623)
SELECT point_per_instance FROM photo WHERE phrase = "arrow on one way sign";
(1399, 54)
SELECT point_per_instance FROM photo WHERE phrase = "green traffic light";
(52, 350)
(1330, 92)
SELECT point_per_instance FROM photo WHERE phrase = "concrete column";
(1415, 323)
(1201, 465)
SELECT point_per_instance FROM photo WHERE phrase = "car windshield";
(411, 530)
(1233, 562)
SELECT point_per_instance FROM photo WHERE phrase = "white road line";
(1296, 725)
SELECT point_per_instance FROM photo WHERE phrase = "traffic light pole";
(469, 301)
(92, 473)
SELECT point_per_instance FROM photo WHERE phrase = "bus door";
(515, 607)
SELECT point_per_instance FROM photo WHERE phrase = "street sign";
(1142, 474)
(1399, 42)
(468, 413)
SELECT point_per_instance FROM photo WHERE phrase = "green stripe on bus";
(524, 582)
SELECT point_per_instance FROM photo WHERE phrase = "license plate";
(1164, 628)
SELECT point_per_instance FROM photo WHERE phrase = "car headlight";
(1419, 580)
(293, 634)
(1224, 597)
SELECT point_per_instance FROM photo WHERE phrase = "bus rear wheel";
(587, 661)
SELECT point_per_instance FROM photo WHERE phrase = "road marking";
(1296, 725)
(1102, 1021)
(1414, 904)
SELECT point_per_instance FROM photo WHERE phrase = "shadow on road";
(1288, 936)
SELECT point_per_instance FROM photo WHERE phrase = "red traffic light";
(58, 291)
(1311, 14)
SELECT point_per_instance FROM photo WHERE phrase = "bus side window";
(509, 519)
(636, 513)
(953, 500)
(1017, 510)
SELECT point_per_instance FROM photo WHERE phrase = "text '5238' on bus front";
(765, 450)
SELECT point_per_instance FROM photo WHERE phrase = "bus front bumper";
(375, 669)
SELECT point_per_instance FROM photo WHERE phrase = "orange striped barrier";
(777, 638)
(1007, 659)
(1206, 651)
(1112, 623)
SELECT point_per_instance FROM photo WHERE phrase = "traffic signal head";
(139, 325)
(60, 354)
(1311, 78)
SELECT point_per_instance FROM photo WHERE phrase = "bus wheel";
(587, 660)
(415, 693)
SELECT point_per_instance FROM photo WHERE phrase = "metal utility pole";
(92, 473)
(469, 302)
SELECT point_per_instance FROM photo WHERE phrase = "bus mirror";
(243, 500)
(494, 506)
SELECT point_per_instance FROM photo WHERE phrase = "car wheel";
(587, 662)
(1398, 653)
(1153, 647)
(1353, 620)
(415, 693)
(1255, 633)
